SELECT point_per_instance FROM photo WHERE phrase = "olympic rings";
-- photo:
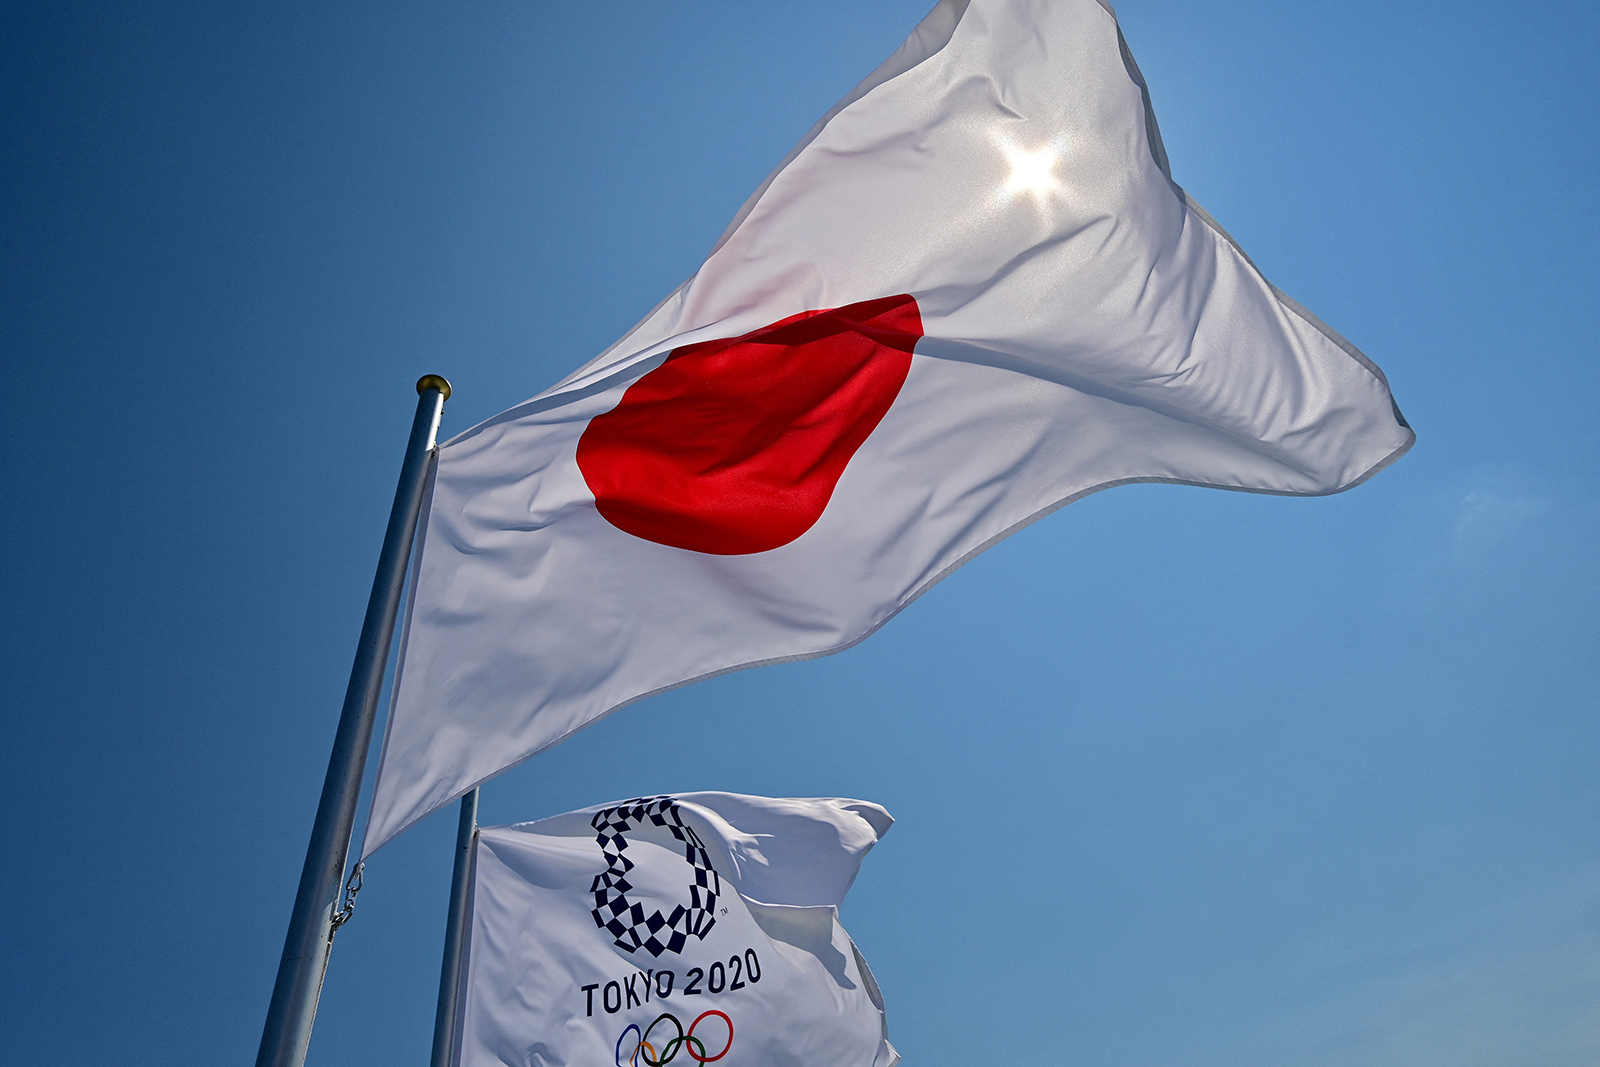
(643, 1052)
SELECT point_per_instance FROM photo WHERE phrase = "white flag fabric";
(690, 929)
(971, 295)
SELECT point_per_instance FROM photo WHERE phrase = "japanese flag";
(686, 930)
(971, 295)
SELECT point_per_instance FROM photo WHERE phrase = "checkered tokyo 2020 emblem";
(625, 919)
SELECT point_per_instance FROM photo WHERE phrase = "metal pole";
(455, 932)
(305, 951)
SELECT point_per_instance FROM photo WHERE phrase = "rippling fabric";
(761, 971)
(995, 200)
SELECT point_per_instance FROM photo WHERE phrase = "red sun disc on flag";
(735, 446)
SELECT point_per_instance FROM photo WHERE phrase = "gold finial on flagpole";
(433, 381)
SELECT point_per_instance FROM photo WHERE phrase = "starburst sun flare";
(1032, 171)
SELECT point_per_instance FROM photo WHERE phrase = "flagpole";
(287, 1033)
(444, 1019)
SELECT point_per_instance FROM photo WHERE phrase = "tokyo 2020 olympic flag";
(691, 929)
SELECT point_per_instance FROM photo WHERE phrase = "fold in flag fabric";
(971, 295)
(690, 929)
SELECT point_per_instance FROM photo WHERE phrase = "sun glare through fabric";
(1032, 171)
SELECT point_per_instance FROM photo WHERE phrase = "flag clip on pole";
(444, 1021)
(287, 1034)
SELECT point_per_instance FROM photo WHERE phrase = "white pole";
(287, 1034)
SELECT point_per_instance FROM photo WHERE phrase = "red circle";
(725, 1048)
(735, 446)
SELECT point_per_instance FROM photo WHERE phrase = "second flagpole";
(455, 933)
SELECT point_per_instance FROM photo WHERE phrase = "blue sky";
(1182, 776)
